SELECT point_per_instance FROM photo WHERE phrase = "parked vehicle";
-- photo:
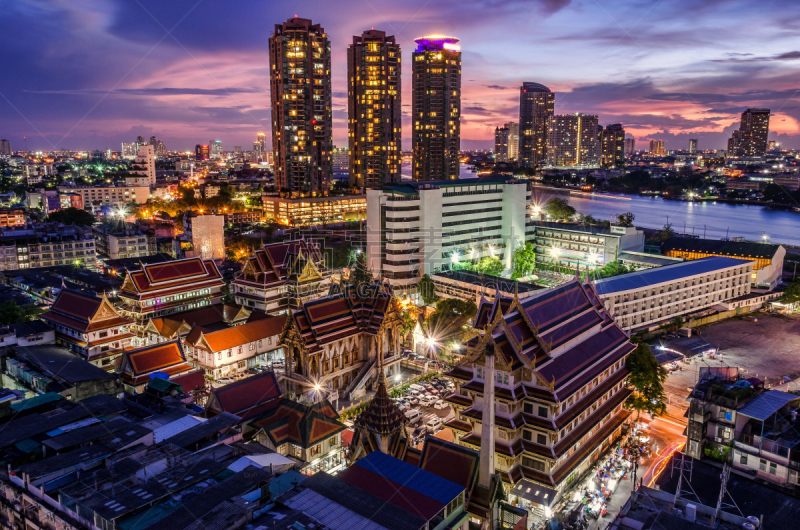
(433, 425)
(403, 406)
(413, 400)
(222, 382)
(413, 415)
(427, 401)
(440, 405)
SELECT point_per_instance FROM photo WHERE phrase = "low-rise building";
(247, 398)
(471, 286)
(33, 333)
(236, 218)
(230, 351)
(644, 299)
(98, 196)
(47, 245)
(10, 218)
(160, 289)
(767, 258)
(89, 326)
(314, 210)
(574, 245)
(279, 277)
(137, 367)
(176, 326)
(121, 244)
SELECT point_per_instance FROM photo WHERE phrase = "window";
(527, 408)
(527, 435)
(542, 412)
(773, 468)
(541, 439)
(743, 459)
(762, 465)
(252, 346)
(230, 353)
(533, 463)
(102, 334)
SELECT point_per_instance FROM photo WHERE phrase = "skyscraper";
(501, 141)
(537, 105)
(145, 164)
(5, 147)
(373, 72)
(129, 150)
(513, 139)
(573, 141)
(753, 132)
(630, 146)
(260, 145)
(201, 152)
(657, 148)
(613, 145)
(693, 146)
(215, 149)
(300, 82)
(733, 144)
(436, 108)
(158, 146)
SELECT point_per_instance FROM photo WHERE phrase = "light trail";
(661, 462)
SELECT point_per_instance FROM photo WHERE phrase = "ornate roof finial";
(516, 291)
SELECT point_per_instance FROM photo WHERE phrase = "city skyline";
(115, 71)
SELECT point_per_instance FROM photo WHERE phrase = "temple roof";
(83, 312)
(216, 341)
(137, 366)
(299, 424)
(159, 279)
(246, 398)
(382, 416)
(275, 263)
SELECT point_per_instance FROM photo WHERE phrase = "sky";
(90, 74)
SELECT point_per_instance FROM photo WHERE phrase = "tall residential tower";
(573, 141)
(613, 145)
(436, 108)
(753, 133)
(300, 82)
(537, 105)
(373, 71)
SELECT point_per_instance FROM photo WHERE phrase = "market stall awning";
(530, 491)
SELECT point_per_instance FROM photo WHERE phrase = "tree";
(451, 321)
(625, 219)
(559, 208)
(647, 380)
(523, 261)
(13, 313)
(425, 289)
(614, 268)
(69, 216)
(792, 293)
(491, 265)
(664, 234)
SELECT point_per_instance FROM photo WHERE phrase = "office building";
(129, 150)
(278, 277)
(536, 109)
(789, 182)
(541, 393)
(613, 145)
(573, 142)
(123, 242)
(207, 234)
(657, 148)
(99, 196)
(630, 146)
(501, 144)
(201, 152)
(420, 227)
(513, 140)
(260, 145)
(575, 245)
(374, 109)
(5, 147)
(693, 146)
(314, 210)
(767, 258)
(89, 326)
(340, 157)
(751, 139)
(644, 299)
(215, 149)
(471, 286)
(300, 87)
(145, 164)
(158, 146)
(436, 108)
(160, 289)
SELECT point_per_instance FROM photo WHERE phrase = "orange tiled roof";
(156, 358)
(299, 424)
(248, 397)
(172, 276)
(237, 335)
(83, 312)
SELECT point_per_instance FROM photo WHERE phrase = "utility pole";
(704, 231)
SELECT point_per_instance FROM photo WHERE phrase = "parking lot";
(424, 406)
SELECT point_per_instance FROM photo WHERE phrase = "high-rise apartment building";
(752, 134)
(573, 141)
(436, 108)
(501, 144)
(237, 151)
(657, 148)
(201, 152)
(5, 147)
(129, 150)
(260, 145)
(145, 164)
(613, 145)
(513, 140)
(215, 149)
(537, 105)
(374, 105)
(340, 157)
(300, 82)
(692, 146)
(630, 146)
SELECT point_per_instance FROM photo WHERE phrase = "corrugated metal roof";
(178, 426)
(646, 278)
(767, 404)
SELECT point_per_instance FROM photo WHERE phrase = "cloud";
(498, 87)
(153, 91)
(787, 56)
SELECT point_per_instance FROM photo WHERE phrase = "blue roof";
(645, 278)
(35, 401)
(412, 477)
(767, 404)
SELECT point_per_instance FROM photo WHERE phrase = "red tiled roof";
(237, 398)
(191, 381)
(450, 461)
(80, 311)
(160, 279)
(76, 305)
(174, 270)
(154, 358)
(300, 424)
(239, 335)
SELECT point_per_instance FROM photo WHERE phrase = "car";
(433, 425)
(418, 433)
(413, 415)
(223, 381)
(428, 401)
(440, 405)
(403, 406)
(413, 400)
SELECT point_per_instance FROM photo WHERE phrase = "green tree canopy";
(491, 265)
(625, 219)
(559, 208)
(451, 321)
(13, 313)
(523, 261)
(647, 380)
(792, 293)
(426, 290)
(71, 215)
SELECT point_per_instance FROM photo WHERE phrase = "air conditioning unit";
(718, 439)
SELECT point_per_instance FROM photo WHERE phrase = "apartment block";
(314, 210)
(99, 196)
(47, 246)
(119, 244)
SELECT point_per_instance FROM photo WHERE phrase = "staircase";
(361, 379)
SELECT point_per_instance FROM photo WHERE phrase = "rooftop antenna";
(724, 476)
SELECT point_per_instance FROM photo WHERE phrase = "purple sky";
(89, 74)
